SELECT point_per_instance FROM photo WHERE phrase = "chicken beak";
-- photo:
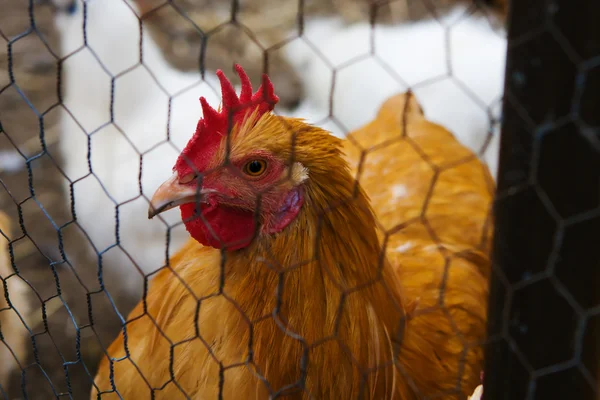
(172, 194)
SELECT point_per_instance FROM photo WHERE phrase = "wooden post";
(544, 314)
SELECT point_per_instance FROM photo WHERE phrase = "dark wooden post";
(544, 314)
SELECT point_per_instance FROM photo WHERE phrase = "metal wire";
(542, 307)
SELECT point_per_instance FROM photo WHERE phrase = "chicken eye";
(255, 167)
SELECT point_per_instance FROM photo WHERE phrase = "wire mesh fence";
(543, 335)
(315, 296)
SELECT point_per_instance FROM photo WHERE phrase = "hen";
(290, 284)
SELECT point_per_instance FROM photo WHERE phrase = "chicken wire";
(75, 317)
(543, 316)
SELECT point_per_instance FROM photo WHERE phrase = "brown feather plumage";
(397, 327)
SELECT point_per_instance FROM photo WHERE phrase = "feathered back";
(433, 201)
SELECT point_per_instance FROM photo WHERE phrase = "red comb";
(215, 124)
(232, 105)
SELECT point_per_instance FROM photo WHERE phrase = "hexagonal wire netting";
(543, 319)
(97, 102)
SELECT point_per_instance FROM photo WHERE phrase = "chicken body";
(316, 311)
(432, 198)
